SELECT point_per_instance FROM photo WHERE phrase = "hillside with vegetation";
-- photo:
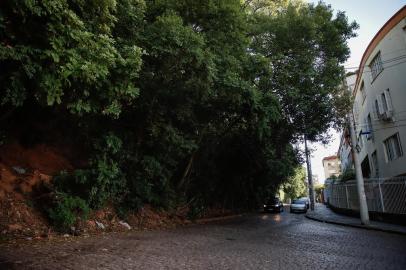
(166, 103)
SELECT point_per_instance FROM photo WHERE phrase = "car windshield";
(273, 201)
(298, 202)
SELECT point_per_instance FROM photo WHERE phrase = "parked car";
(298, 205)
(273, 205)
(307, 200)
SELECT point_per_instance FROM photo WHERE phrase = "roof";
(330, 158)
(392, 22)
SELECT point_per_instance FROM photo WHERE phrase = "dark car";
(273, 205)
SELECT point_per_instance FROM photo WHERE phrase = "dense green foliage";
(67, 210)
(176, 101)
(295, 186)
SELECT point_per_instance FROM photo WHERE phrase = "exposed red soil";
(36, 166)
(20, 219)
(24, 169)
(41, 157)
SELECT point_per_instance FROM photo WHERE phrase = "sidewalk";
(324, 214)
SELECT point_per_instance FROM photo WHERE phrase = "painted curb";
(207, 220)
(371, 228)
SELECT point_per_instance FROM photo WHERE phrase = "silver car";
(307, 200)
(298, 205)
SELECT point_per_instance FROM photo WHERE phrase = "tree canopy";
(175, 101)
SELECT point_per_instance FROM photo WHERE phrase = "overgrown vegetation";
(174, 101)
(347, 175)
(67, 210)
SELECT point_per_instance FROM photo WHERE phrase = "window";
(377, 109)
(383, 105)
(375, 168)
(368, 123)
(363, 93)
(356, 110)
(393, 147)
(376, 66)
(404, 30)
(384, 102)
(388, 101)
(369, 126)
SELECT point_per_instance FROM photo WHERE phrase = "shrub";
(347, 175)
(67, 210)
(196, 210)
(102, 181)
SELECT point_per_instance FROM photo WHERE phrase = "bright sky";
(371, 15)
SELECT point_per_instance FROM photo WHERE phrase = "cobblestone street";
(258, 241)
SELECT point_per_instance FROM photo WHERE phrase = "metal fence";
(383, 195)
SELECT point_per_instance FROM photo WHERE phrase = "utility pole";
(363, 207)
(309, 175)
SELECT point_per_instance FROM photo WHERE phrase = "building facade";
(344, 150)
(331, 166)
(380, 101)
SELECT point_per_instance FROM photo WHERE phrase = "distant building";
(380, 102)
(344, 150)
(331, 166)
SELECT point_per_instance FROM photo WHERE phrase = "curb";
(207, 220)
(369, 227)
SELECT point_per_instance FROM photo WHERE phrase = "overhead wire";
(382, 128)
(389, 66)
(387, 53)
(383, 61)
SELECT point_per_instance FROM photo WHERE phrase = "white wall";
(393, 77)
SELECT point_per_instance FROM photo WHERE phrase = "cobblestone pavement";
(257, 241)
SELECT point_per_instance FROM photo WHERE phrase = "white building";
(345, 153)
(380, 101)
(331, 166)
(344, 150)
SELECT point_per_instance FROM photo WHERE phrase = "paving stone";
(257, 241)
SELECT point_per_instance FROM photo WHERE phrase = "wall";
(392, 48)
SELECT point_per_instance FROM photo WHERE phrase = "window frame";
(393, 147)
(369, 127)
(363, 93)
(376, 66)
